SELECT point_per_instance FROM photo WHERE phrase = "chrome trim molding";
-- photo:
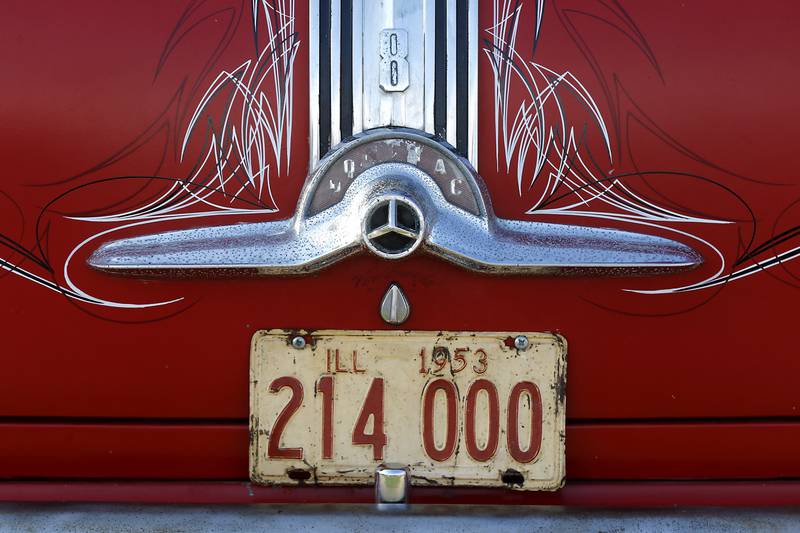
(260, 513)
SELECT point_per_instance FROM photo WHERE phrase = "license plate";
(457, 409)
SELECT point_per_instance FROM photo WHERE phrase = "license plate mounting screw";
(299, 342)
(521, 342)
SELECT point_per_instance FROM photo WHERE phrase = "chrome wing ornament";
(394, 192)
(399, 190)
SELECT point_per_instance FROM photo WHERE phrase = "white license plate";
(460, 409)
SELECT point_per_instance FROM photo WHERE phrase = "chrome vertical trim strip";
(313, 82)
(371, 105)
(336, 70)
(472, 134)
(452, 93)
(358, 66)
(429, 23)
(412, 102)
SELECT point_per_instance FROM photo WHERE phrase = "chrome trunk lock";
(394, 192)
(395, 308)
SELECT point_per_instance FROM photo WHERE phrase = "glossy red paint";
(609, 494)
(197, 451)
(95, 92)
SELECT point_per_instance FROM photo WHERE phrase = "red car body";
(682, 388)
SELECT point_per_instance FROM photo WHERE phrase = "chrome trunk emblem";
(402, 77)
(392, 208)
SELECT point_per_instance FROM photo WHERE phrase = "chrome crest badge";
(393, 227)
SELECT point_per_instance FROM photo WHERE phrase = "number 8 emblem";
(394, 66)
